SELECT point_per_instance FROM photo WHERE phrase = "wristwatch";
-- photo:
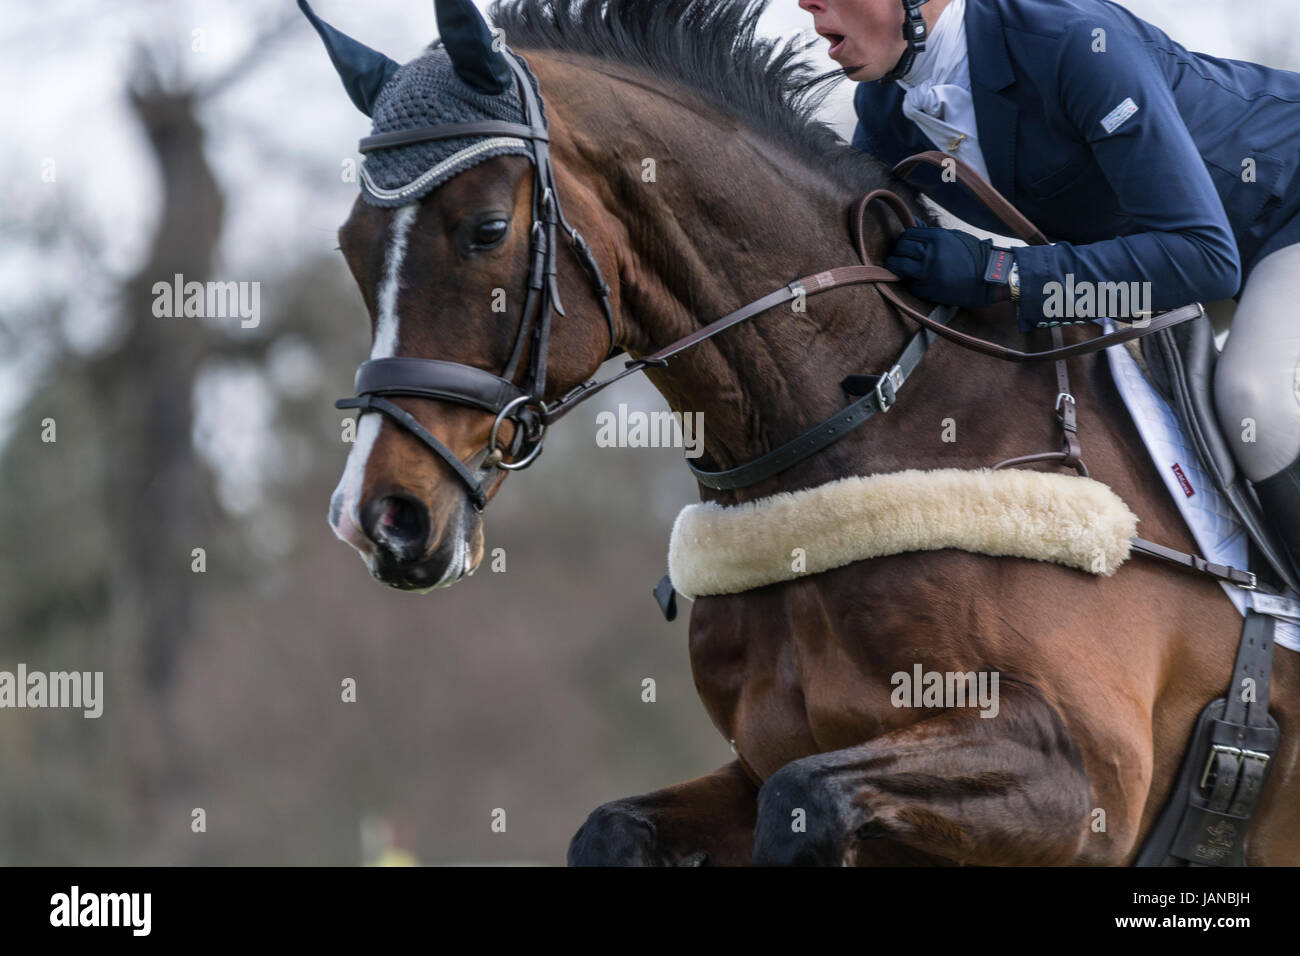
(1013, 281)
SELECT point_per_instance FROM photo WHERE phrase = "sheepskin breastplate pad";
(1066, 519)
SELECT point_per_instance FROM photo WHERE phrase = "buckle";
(1231, 751)
(574, 392)
(894, 377)
(1254, 582)
(1064, 397)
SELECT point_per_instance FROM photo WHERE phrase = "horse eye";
(490, 233)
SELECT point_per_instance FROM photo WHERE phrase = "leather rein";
(524, 406)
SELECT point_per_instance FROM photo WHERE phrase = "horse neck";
(705, 216)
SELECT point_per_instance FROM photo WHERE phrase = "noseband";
(523, 405)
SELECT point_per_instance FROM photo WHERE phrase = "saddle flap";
(1182, 361)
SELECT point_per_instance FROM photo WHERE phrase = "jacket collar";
(996, 115)
(986, 42)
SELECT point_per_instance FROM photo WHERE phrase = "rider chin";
(866, 40)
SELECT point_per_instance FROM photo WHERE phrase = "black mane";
(711, 47)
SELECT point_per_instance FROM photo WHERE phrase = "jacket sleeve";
(861, 141)
(1185, 248)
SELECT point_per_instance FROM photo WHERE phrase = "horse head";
(453, 243)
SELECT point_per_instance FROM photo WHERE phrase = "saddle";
(1181, 361)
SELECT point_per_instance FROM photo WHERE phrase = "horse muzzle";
(404, 547)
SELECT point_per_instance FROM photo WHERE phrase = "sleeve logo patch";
(1119, 115)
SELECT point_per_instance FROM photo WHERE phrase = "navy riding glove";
(951, 267)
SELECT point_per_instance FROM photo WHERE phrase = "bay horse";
(687, 154)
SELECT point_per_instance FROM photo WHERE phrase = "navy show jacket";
(1187, 193)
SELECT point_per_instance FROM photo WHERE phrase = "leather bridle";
(523, 404)
(499, 395)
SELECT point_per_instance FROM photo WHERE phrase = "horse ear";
(363, 71)
(468, 41)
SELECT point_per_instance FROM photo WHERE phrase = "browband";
(424, 134)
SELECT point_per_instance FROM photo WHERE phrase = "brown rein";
(870, 274)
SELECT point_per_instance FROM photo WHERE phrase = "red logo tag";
(999, 265)
(1182, 480)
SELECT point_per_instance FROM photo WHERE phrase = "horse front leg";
(954, 789)
(708, 820)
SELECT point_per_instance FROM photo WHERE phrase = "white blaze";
(385, 346)
(386, 324)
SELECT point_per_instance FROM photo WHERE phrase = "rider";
(1142, 161)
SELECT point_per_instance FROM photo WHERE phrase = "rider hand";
(951, 267)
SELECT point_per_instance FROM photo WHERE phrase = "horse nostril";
(398, 524)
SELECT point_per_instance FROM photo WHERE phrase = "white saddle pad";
(1218, 531)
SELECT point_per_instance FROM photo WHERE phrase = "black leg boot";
(1279, 494)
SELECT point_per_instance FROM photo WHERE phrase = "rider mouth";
(836, 41)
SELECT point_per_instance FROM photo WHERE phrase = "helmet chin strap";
(914, 31)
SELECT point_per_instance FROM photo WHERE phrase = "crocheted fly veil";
(427, 92)
(459, 78)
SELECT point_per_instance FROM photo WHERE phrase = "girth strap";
(1221, 779)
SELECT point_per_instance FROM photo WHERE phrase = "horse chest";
(747, 674)
(779, 678)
